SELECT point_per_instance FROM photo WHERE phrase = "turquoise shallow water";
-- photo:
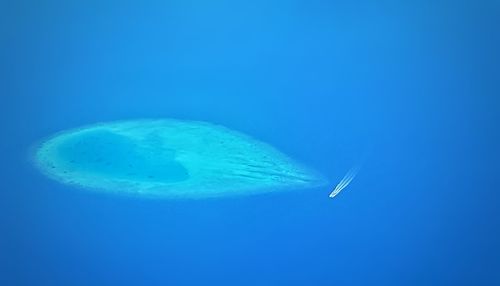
(411, 87)
(117, 156)
(169, 158)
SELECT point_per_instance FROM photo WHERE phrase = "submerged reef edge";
(170, 159)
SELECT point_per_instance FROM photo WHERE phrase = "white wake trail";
(345, 181)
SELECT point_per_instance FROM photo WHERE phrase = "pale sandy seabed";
(169, 158)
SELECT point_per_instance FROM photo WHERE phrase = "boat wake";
(345, 181)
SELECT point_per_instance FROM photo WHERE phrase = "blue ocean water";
(408, 88)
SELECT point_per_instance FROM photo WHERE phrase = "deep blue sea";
(408, 89)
